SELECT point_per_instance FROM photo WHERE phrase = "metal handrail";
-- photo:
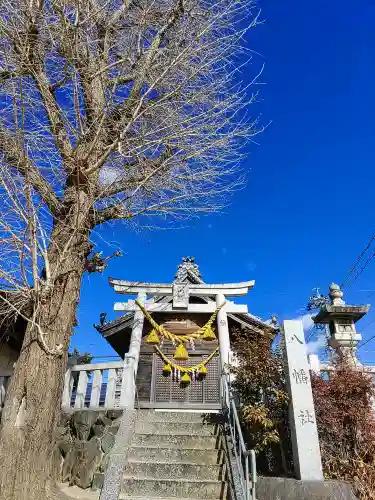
(242, 454)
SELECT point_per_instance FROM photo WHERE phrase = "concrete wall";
(8, 357)
(278, 488)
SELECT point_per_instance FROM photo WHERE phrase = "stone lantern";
(341, 319)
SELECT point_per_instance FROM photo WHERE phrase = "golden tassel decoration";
(205, 331)
(208, 333)
(167, 370)
(185, 379)
(202, 371)
(181, 353)
(152, 338)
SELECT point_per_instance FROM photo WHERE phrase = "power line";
(363, 268)
(371, 338)
(359, 258)
(367, 341)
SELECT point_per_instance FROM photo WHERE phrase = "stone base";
(75, 493)
(83, 445)
(277, 488)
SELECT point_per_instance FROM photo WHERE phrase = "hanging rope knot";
(159, 333)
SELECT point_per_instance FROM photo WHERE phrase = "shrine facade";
(174, 316)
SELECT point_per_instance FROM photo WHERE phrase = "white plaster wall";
(8, 357)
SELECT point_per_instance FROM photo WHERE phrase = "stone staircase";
(174, 455)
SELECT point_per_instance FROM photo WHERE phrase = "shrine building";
(181, 308)
(146, 416)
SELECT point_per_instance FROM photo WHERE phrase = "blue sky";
(309, 208)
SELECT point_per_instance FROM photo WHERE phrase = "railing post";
(96, 388)
(254, 477)
(111, 388)
(68, 387)
(131, 359)
(247, 472)
(81, 390)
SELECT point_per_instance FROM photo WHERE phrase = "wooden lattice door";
(169, 392)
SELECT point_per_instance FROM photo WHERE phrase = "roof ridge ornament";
(188, 264)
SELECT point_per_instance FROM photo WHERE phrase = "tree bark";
(32, 408)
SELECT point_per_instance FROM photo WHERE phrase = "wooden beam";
(229, 307)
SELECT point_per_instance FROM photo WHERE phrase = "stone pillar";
(305, 441)
(131, 358)
(223, 331)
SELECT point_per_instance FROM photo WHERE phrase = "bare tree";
(111, 110)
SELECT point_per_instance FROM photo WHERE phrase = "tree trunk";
(32, 408)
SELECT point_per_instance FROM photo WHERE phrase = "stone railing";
(95, 386)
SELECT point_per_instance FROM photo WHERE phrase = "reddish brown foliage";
(260, 385)
(346, 426)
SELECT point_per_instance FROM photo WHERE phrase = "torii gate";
(180, 293)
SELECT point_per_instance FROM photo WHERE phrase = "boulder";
(82, 421)
(108, 440)
(68, 465)
(83, 442)
(114, 414)
(103, 420)
(97, 482)
(104, 463)
(88, 458)
(64, 447)
(98, 430)
(114, 428)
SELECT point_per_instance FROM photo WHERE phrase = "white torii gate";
(180, 293)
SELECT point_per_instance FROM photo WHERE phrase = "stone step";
(175, 428)
(157, 488)
(158, 454)
(161, 498)
(173, 441)
(188, 471)
(170, 416)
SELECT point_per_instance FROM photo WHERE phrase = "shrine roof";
(329, 311)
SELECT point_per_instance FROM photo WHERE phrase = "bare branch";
(112, 110)
(117, 111)
(13, 157)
